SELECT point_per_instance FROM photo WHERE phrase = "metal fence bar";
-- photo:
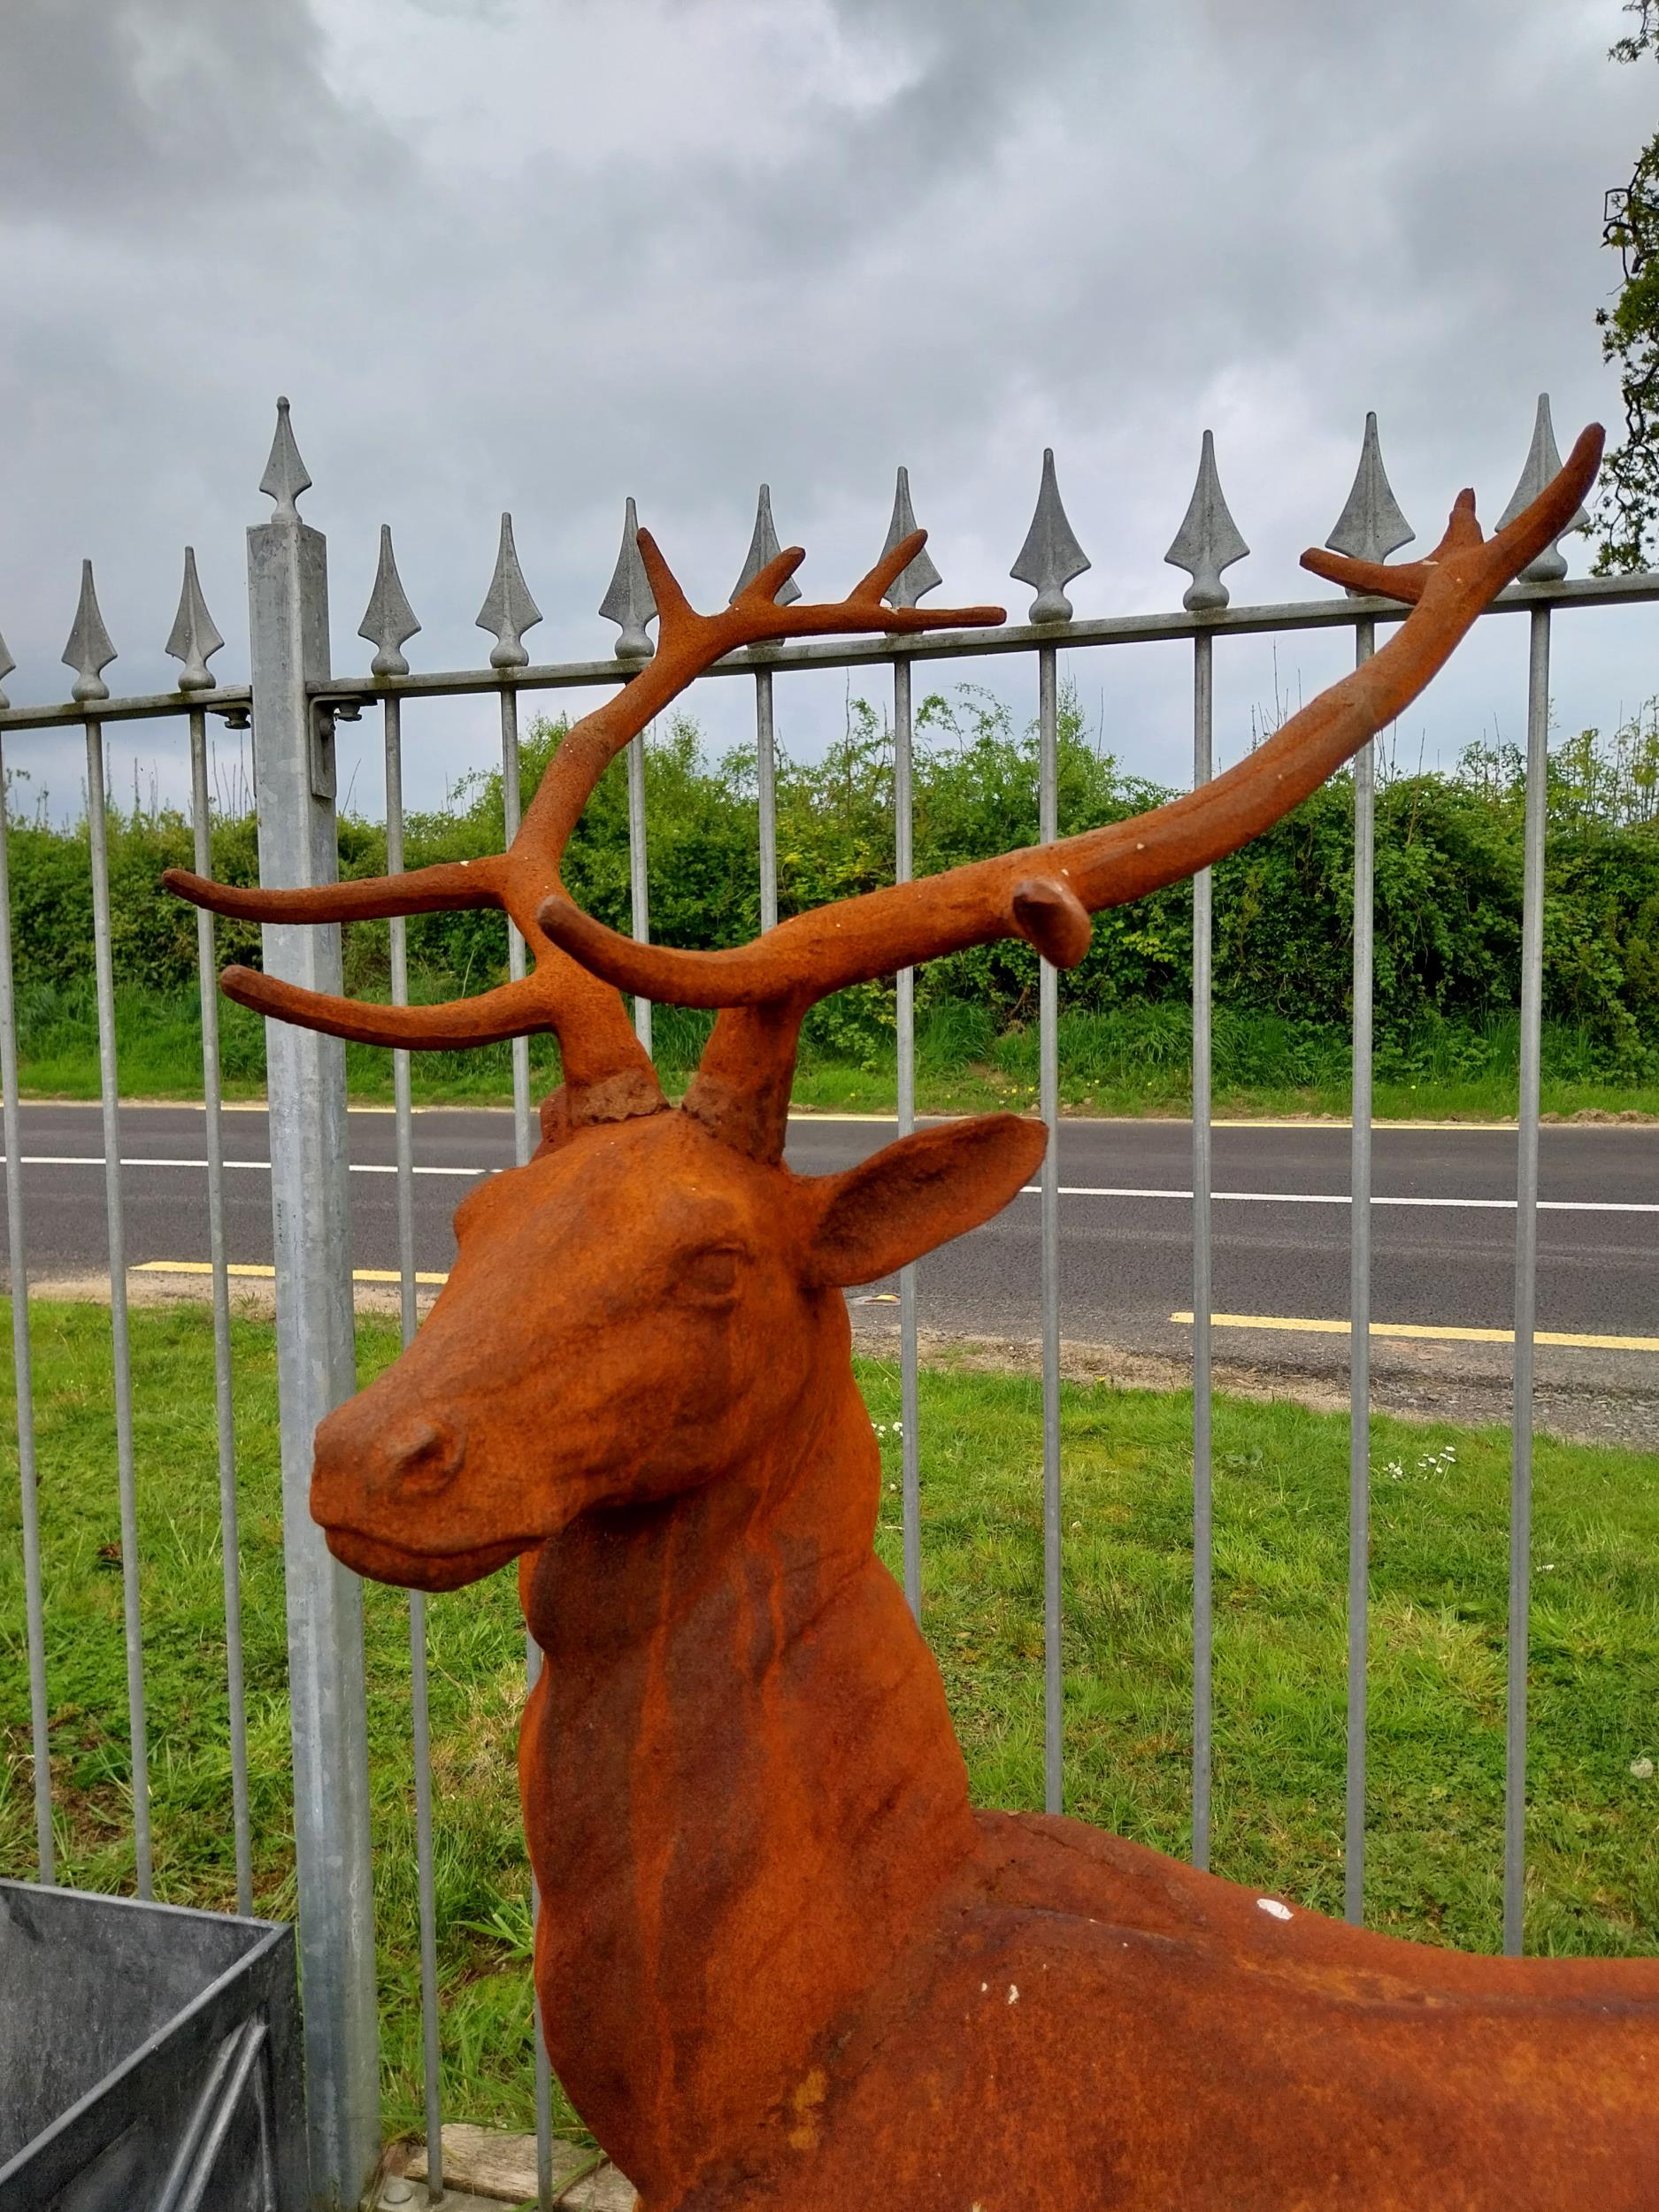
(523, 1120)
(23, 1363)
(524, 1144)
(638, 885)
(421, 1721)
(1525, 1283)
(224, 1405)
(126, 1477)
(1204, 1299)
(294, 764)
(1048, 1087)
(766, 796)
(910, 1458)
(420, 1717)
(1359, 1308)
(402, 1103)
(543, 2065)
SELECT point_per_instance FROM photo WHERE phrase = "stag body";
(783, 1964)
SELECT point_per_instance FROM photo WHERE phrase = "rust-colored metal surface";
(782, 1962)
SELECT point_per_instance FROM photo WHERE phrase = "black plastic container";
(150, 2058)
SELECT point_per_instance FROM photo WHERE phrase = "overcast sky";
(503, 254)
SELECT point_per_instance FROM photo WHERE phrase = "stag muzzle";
(387, 1492)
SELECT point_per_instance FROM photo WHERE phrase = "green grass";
(1135, 1060)
(1439, 1579)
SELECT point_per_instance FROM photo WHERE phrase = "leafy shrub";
(1447, 904)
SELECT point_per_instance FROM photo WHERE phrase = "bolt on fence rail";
(293, 699)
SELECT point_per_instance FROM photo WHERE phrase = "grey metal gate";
(293, 699)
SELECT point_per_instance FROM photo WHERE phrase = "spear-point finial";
(508, 611)
(89, 649)
(1209, 539)
(913, 583)
(193, 639)
(629, 602)
(285, 475)
(1371, 527)
(1051, 555)
(763, 547)
(389, 619)
(1542, 461)
(6, 665)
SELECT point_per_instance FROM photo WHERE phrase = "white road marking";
(1067, 1190)
(96, 1159)
(1343, 1198)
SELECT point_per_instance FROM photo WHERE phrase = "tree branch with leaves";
(1627, 510)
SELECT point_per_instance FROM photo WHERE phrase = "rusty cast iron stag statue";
(782, 1962)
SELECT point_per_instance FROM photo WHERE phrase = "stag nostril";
(422, 1458)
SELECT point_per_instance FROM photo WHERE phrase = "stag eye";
(710, 1277)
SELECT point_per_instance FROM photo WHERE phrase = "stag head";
(639, 1307)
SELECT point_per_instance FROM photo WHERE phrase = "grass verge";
(1437, 1645)
(1135, 1060)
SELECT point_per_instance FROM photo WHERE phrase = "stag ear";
(918, 1193)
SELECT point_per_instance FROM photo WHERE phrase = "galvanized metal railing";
(295, 700)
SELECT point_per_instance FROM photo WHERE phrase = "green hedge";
(1448, 888)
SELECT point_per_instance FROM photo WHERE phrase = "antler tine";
(514, 1009)
(1405, 580)
(1045, 894)
(1499, 558)
(864, 607)
(892, 564)
(763, 587)
(675, 611)
(451, 887)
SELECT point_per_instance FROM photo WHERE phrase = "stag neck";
(744, 1880)
(815, 1487)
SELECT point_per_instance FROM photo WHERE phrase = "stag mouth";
(380, 1561)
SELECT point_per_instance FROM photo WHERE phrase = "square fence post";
(288, 607)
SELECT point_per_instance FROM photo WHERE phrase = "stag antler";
(1046, 893)
(607, 1072)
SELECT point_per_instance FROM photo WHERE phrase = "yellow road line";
(268, 1274)
(1331, 1121)
(1300, 1326)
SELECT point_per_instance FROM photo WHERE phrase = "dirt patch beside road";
(1416, 1382)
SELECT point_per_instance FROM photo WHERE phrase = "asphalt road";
(1443, 1230)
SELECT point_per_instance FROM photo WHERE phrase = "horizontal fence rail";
(328, 1726)
(1136, 629)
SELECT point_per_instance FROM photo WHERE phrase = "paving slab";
(486, 2167)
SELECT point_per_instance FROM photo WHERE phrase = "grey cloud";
(544, 257)
(129, 113)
